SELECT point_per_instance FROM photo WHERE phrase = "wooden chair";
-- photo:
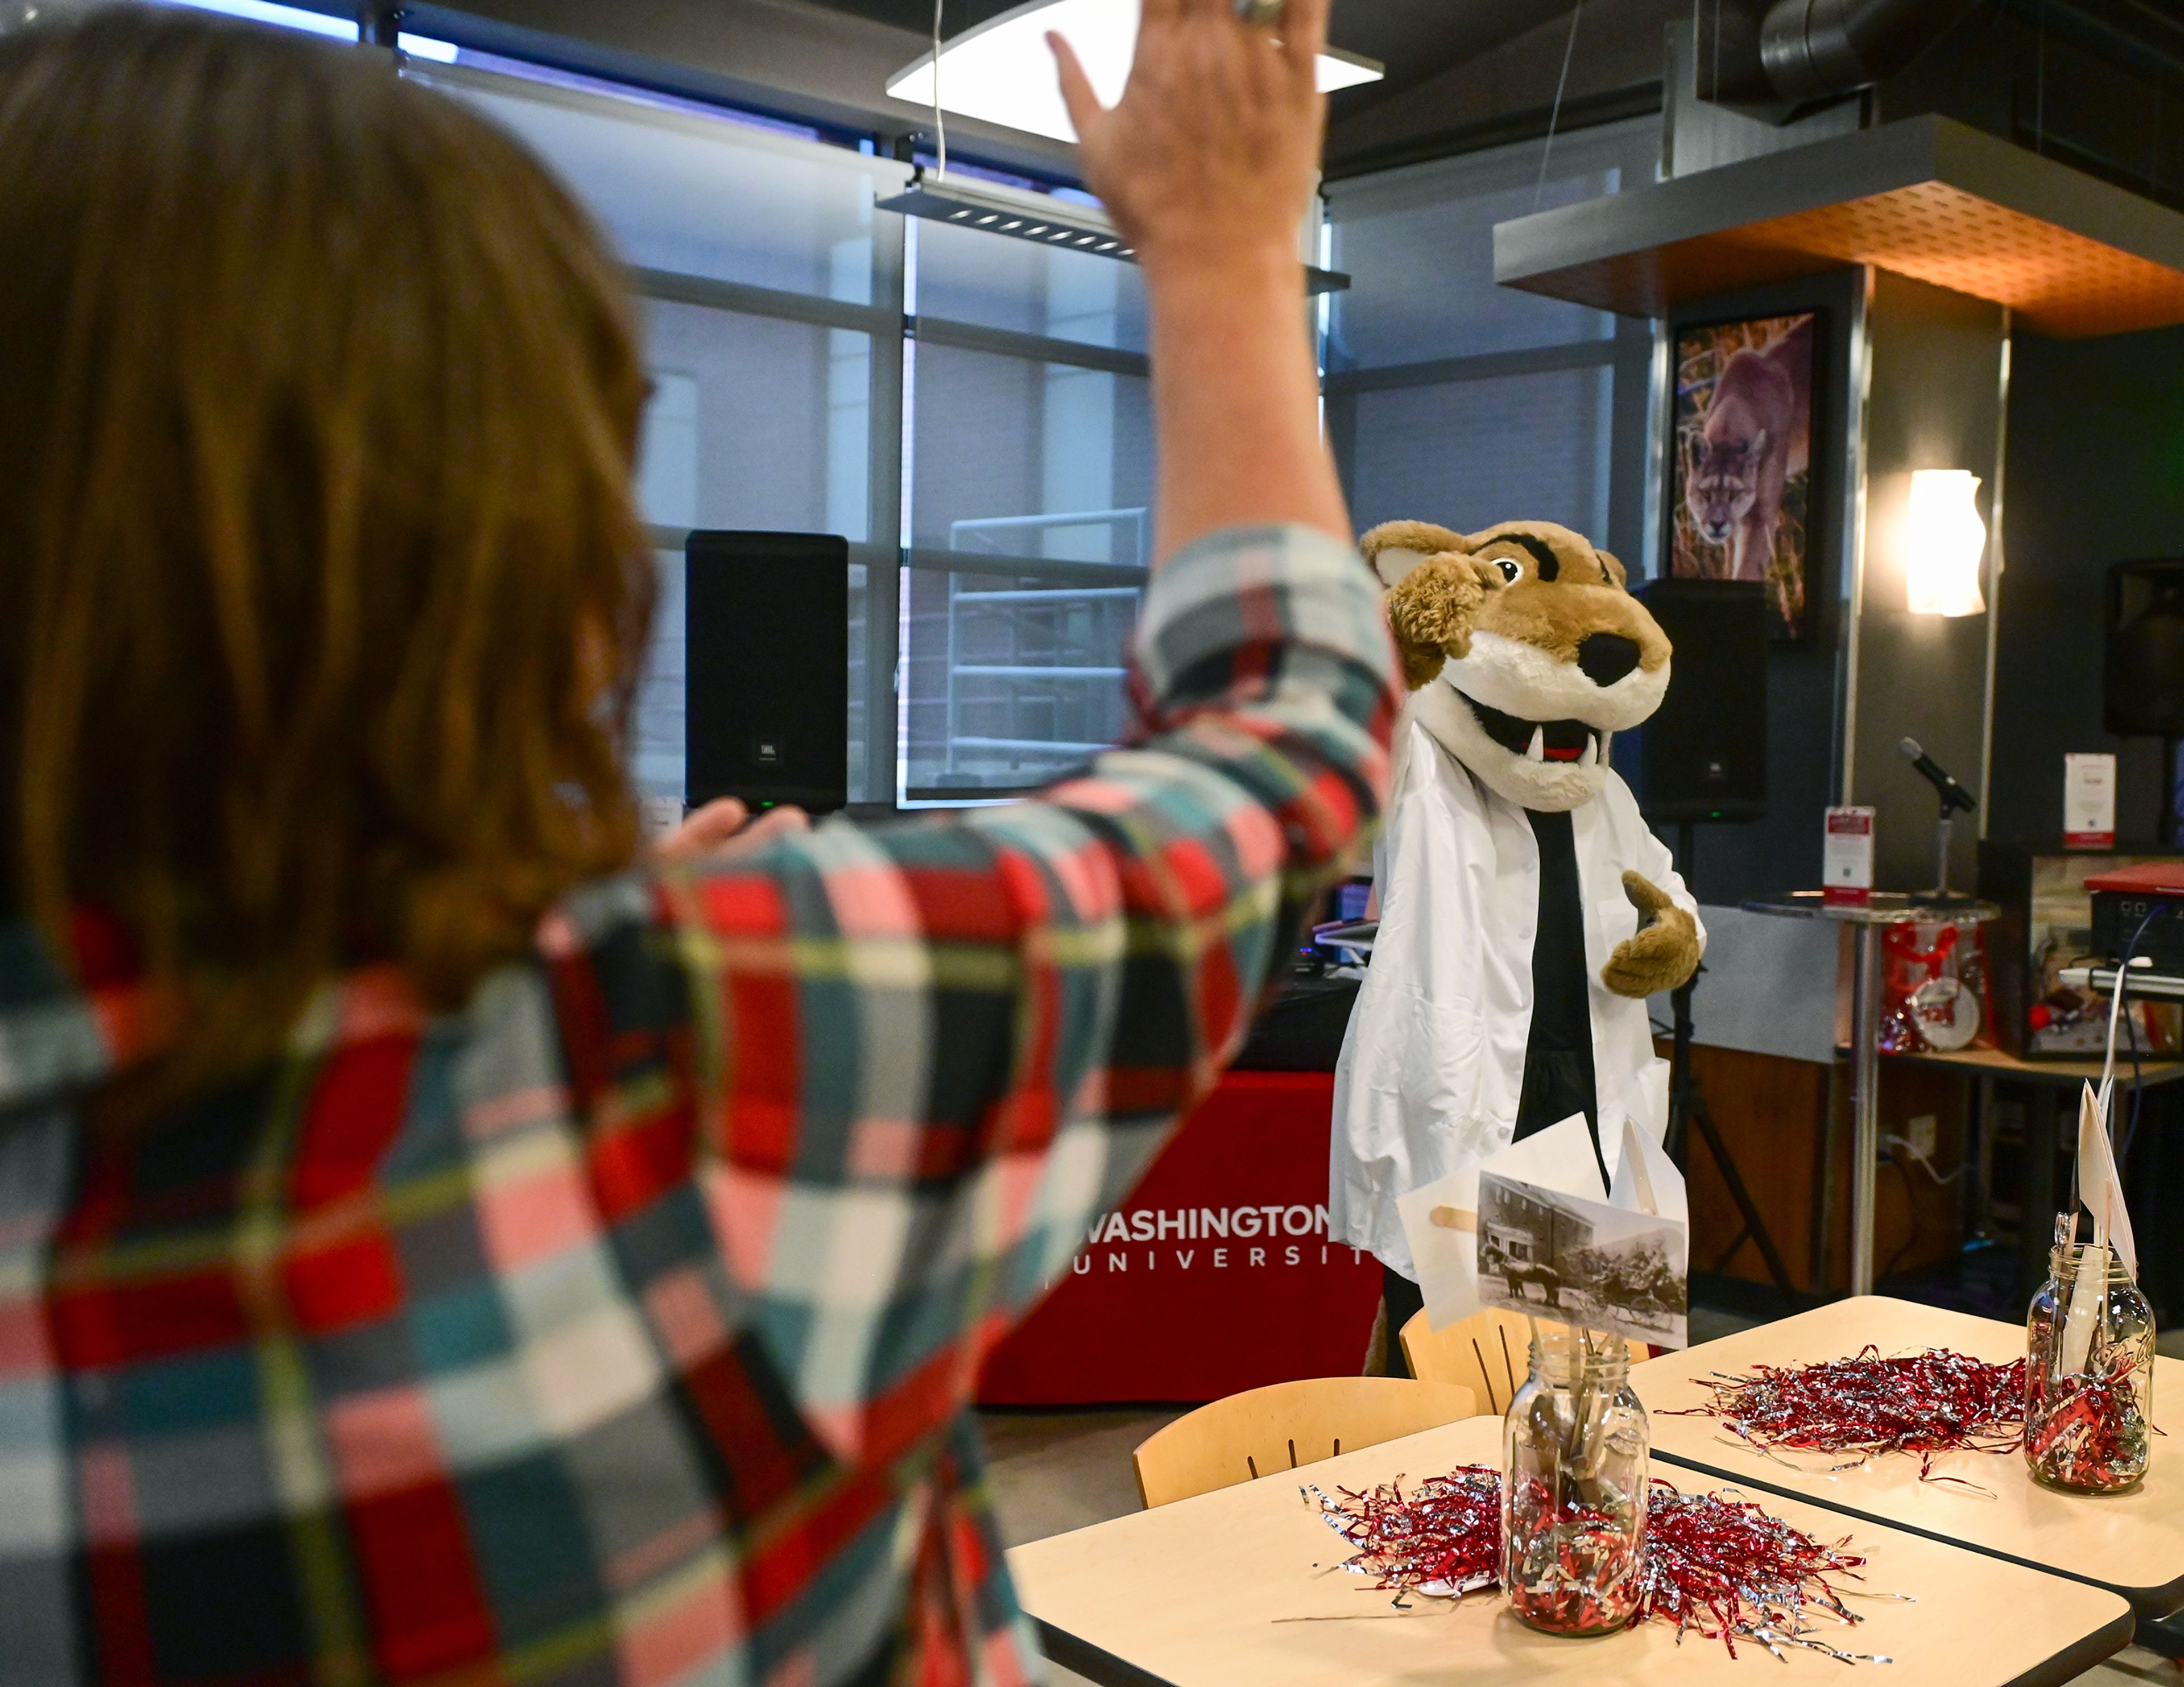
(1488, 1353)
(1280, 1427)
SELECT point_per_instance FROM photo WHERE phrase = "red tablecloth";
(1215, 1274)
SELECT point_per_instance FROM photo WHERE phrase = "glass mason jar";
(1574, 1449)
(2087, 1419)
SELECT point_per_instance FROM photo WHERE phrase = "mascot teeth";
(1537, 749)
(1591, 758)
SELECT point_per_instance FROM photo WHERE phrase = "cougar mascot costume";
(1526, 912)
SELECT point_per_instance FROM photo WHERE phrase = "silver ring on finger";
(1265, 14)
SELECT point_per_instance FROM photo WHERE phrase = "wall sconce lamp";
(1945, 541)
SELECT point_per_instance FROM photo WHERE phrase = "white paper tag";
(2089, 802)
(1847, 855)
(1440, 1221)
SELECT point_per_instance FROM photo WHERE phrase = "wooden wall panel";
(1773, 1115)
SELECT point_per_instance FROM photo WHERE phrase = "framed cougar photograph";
(1742, 503)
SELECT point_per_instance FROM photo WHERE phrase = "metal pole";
(379, 22)
(1865, 1103)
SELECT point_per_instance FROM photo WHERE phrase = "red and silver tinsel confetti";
(1712, 1564)
(2087, 1433)
(1923, 1403)
(1443, 1539)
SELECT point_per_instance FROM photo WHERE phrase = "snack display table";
(2131, 1544)
(1237, 1585)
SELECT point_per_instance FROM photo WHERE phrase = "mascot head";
(1525, 649)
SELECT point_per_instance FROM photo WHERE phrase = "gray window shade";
(698, 196)
(756, 422)
(1021, 457)
(964, 276)
(1454, 400)
(1470, 453)
(769, 322)
(1031, 534)
(1009, 677)
(1418, 245)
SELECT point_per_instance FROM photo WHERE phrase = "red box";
(2146, 878)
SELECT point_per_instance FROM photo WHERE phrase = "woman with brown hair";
(435, 1247)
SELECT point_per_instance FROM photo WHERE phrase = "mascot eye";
(1511, 571)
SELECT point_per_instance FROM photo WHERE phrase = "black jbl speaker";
(1703, 755)
(766, 650)
(2142, 677)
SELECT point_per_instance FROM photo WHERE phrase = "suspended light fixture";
(1946, 542)
(1043, 219)
(1002, 72)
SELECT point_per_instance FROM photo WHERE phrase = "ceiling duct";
(1818, 49)
(1776, 59)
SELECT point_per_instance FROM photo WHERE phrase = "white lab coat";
(1433, 1063)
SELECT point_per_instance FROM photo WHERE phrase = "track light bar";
(1039, 218)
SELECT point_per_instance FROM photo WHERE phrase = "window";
(1030, 443)
(970, 413)
(772, 324)
(973, 415)
(1453, 400)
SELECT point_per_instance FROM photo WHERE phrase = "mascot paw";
(1430, 610)
(1662, 953)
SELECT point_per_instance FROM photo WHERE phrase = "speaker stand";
(1688, 1107)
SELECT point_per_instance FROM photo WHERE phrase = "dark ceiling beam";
(1503, 94)
(2126, 36)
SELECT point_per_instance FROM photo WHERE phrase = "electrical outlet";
(1923, 1134)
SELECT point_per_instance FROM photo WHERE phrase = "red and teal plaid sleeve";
(927, 1052)
(934, 1049)
(619, 1330)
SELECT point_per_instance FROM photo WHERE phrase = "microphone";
(1953, 795)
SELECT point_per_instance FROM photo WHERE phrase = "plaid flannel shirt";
(623, 1327)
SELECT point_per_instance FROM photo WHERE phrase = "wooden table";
(1235, 1586)
(2131, 1544)
(2050, 1127)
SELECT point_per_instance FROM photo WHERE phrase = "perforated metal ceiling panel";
(1927, 198)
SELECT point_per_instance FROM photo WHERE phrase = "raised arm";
(1208, 164)
(910, 1060)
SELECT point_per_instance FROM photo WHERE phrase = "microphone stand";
(1953, 797)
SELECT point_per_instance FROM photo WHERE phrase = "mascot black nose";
(1606, 657)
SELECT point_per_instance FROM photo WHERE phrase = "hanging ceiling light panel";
(1043, 219)
(1002, 72)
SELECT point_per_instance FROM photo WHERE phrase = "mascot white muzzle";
(1525, 652)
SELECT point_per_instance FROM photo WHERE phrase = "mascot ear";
(1430, 612)
(1614, 565)
(1395, 547)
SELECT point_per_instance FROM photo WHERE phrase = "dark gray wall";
(2096, 476)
